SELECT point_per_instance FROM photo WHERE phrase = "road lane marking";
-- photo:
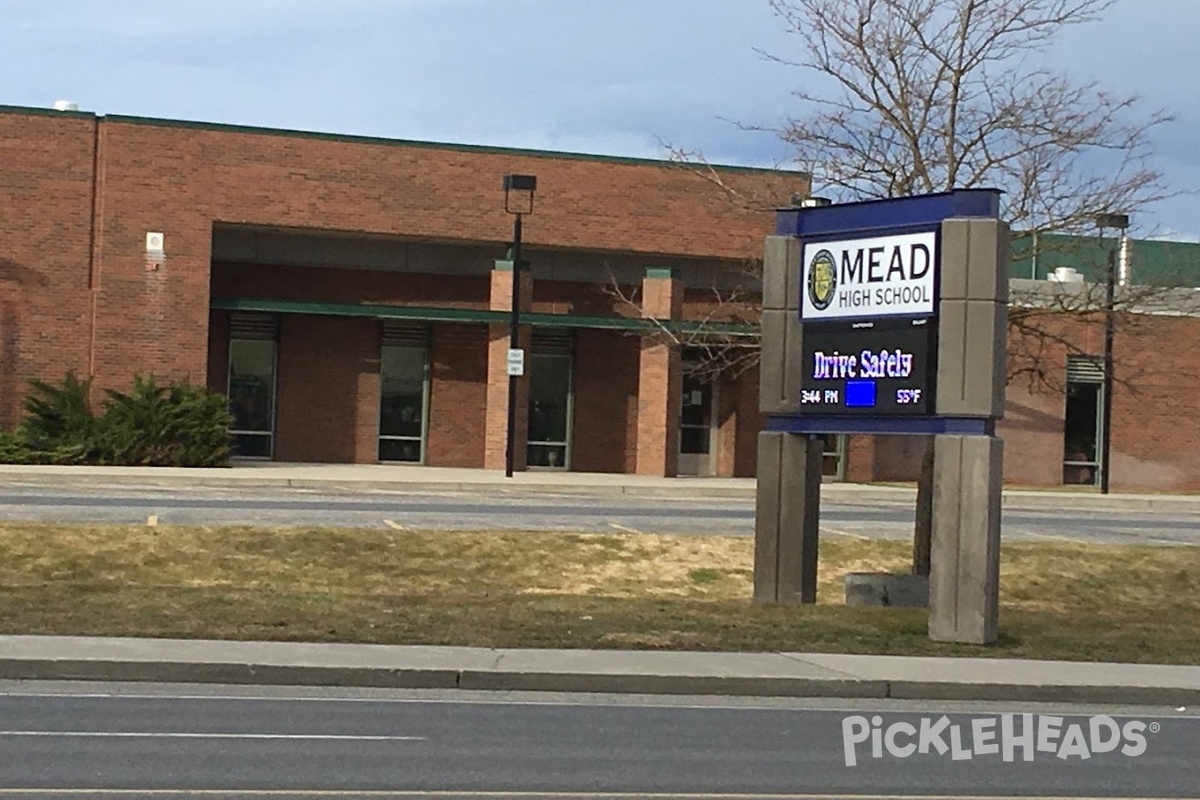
(1082, 711)
(837, 532)
(396, 526)
(625, 528)
(576, 795)
(185, 735)
(1052, 536)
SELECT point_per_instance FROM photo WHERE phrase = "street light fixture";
(1121, 223)
(518, 201)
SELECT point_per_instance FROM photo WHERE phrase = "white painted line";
(795, 704)
(623, 528)
(517, 794)
(171, 735)
(396, 526)
(836, 532)
(1052, 536)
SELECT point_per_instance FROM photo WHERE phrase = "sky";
(611, 77)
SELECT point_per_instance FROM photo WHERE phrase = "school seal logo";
(822, 280)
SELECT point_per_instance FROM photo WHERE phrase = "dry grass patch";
(515, 589)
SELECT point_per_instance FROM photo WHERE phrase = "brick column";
(496, 422)
(660, 380)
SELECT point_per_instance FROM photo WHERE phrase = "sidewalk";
(394, 477)
(652, 672)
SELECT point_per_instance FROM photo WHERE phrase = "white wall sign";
(516, 362)
(888, 276)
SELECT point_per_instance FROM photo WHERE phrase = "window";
(1083, 422)
(252, 357)
(404, 390)
(833, 459)
(550, 399)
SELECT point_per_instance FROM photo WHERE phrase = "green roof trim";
(223, 127)
(664, 273)
(31, 111)
(469, 315)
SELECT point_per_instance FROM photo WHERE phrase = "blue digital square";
(860, 394)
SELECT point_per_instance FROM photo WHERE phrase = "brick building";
(351, 297)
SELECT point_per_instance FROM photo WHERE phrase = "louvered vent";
(250, 325)
(553, 341)
(401, 333)
(1085, 370)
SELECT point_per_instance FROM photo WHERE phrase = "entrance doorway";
(251, 383)
(551, 399)
(1083, 423)
(403, 392)
(697, 427)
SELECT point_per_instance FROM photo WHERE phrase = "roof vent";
(1066, 275)
(65, 105)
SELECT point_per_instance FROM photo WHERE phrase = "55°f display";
(879, 368)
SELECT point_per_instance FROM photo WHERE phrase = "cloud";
(610, 76)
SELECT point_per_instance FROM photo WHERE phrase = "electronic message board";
(881, 367)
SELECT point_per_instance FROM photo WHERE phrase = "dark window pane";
(697, 403)
(693, 441)
(547, 455)
(402, 396)
(400, 450)
(549, 398)
(1080, 425)
(252, 384)
(252, 446)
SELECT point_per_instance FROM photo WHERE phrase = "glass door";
(697, 436)
(404, 393)
(1083, 424)
(551, 399)
(251, 387)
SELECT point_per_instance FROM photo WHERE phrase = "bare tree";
(904, 97)
(723, 336)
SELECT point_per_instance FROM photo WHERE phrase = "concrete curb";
(608, 683)
(1015, 499)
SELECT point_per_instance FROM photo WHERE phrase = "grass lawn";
(1059, 600)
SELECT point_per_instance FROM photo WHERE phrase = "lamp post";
(520, 186)
(1121, 223)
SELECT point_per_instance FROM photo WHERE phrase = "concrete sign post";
(887, 318)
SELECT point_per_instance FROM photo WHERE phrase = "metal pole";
(513, 343)
(1106, 423)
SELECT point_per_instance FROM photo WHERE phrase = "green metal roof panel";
(468, 315)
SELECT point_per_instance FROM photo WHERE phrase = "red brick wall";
(328, 378)
(45, 246)
(372, 287)
(749, 423)
(579, 299)
(604, 437)
(458, 395)
(179, 179)
(1156, 427)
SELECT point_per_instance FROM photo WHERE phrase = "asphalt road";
(56, 738)
(538, 511)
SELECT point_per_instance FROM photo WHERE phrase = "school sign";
(887, 317)
(878, 277)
